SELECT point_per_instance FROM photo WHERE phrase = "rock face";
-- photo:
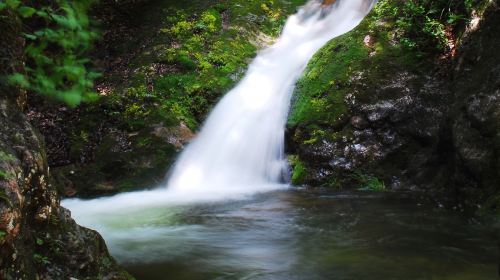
(433, 127)
(38, 238)
(475, 120)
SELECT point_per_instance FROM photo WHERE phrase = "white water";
(239, 150)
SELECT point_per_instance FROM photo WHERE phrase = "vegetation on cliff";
(156, 87)
(408, 100)
(378, 102)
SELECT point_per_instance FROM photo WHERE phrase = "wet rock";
(368, 41)
(29, 209)
(379, 111)
(359, 122)
(30, 213)
(177, 136)
(436, 130)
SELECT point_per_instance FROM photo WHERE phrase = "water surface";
(298, 234)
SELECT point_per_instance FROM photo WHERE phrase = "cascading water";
(239, 151)
(161, 234)
(240, 148)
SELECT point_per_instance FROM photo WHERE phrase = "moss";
(6, 157)
(3, 175)
(121, 163)
(320, 93)
(5, 198)
(195, 51)
(334, 183)
(41, 259)
(316, 135)
(369, 182)
(209, 54)
(3, 234)
(342, 65)
(319, 96)
(299, 170)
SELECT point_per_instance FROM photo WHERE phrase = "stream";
(224, 213)
(299, 234)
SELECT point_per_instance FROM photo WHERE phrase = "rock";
(379, 111)
(368, 41)
(359, 122)
(436, 129)
(177, 136)
(29, 204)
(30, 210)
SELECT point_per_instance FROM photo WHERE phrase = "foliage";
(2, 236)
(370, 183)
(5, 198)
(6, 157)
(57, 40)
(3, 174)
(39, 241)
(41, 259)
(424, 24)
(210, 59)
(204, 48)
(185, 56)
(299, 170)
(320, 92)
(401, 34)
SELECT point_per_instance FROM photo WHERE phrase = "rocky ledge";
(393, 122)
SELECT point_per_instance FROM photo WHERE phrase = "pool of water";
(298, 234)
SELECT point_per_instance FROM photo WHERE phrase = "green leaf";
(39, 241)
(19, 79)
(13, 3)
(2, 6)
(72, 98)
(30, 36)
(2, 235)
(91, 97)
(26, 11)
(42, 14)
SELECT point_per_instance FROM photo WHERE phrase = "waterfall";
(240, 149)
(241, 146)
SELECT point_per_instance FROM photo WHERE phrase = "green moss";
(6, 157)
(349, 65)
(195, 52)
(369, 182)
(316, 135)
(5, 198)
(209, 55)
(3, 175)
(299, 173)
(41, 259)
(299, 170)
(343, 65)
(320, 93)
(2, 236)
